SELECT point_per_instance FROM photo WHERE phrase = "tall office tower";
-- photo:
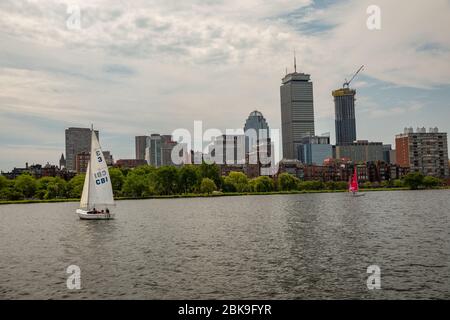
(141, 143)
(228, 149)
(256, 131)
(422, 151)
(78, 140)
(159, 150)
(344, 107)
(297, 111)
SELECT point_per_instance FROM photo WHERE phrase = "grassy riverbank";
(216, 194)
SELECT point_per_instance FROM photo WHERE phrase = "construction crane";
(347, 83)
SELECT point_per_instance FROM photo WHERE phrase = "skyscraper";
(159, 150)
(297, 111)
(141, 143)
(256, 130)
(78, 140)
(344, 107)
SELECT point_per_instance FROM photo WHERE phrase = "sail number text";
(99, 156)
(101, 177)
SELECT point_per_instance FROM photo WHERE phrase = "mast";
(89, 167)
(295, 62)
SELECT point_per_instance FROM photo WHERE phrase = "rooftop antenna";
(295, 62)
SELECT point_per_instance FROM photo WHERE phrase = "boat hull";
(85, 215)
(356, 195)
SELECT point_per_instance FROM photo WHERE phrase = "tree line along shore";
(187, 181)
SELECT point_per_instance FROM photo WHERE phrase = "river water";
(311, 246)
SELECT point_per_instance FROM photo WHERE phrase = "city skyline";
(154, 82)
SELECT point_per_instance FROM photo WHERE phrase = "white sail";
(85, 195)
(100, 188)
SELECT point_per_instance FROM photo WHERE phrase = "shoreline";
(226, 194)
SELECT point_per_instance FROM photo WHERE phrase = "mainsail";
(354, 187)
(97, 190)
(85, 195)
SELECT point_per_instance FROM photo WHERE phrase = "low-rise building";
(82, 161)
(130, 163)
(361, 151)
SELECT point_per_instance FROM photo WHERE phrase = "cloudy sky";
(140, 67)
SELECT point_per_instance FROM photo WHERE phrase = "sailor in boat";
(94, 211)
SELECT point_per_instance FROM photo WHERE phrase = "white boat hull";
(85, 215)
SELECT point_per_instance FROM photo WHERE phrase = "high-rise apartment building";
(422, 151)
(78, 140)
(141, 143)
(345, 122)
(297, 111)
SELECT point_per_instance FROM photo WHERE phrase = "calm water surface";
(254, 247)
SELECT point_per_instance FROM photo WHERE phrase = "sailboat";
(353, 185)
(97, 197)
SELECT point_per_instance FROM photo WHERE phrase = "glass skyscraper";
(344, 106)
(260, 135)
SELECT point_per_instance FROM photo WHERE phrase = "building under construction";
(344, 106)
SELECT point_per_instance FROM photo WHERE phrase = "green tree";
(6, 188)
(137, 184)
(387, 183)
(287, 182)
(211, 171)
(75, 186)
(367, 185)
(41, 187)
(189, 178)
(341, 185)
(11, 194)
(4, 182)
(166, 180)
(117, 180)
(26, 185)
(397, 183)
(431, 182)
(207, 186)
(331, 185)
(413, 180)
(237, 182)
(263, 184)
(56, 188)
(311, 185)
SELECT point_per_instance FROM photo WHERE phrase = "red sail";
(354, 182)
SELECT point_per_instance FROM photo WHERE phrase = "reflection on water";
(273, 247)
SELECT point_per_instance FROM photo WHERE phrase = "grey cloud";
(118, 69)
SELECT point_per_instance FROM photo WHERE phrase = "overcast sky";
(140, 67)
